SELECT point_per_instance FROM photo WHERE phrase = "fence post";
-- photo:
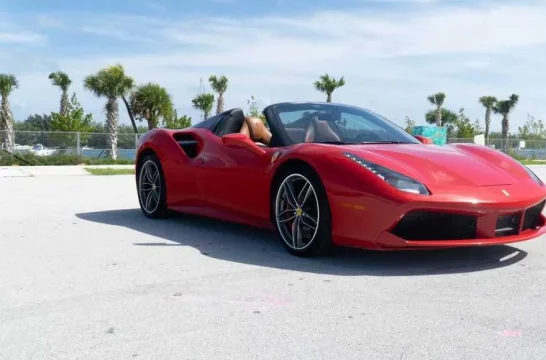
(78, 146)
(12, 150)
(136, 141)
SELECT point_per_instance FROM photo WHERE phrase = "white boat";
(22, 147)
(41, 150)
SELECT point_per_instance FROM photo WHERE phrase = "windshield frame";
(274, 112)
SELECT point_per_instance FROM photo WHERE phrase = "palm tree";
(328, 85)
(62, 80)
(504, 108)
(151, 102)
(488, 102)
(219, 84)
(111, 83)
(204, 102)
(438, 100)
(8, 83)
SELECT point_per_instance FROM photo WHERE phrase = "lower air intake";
(531, 220)
(433, 225)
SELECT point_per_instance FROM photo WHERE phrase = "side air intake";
(188, 143)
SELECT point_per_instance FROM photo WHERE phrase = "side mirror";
(242, 141)
(424, 140)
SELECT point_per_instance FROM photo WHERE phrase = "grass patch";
(29, 159)
(533, 162)
(110, 171)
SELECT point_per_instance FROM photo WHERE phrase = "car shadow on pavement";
(239, 243)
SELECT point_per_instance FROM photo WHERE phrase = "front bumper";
(440, 227)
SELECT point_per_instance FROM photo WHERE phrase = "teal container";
(437, 134)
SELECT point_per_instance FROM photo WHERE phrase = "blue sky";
(393, 53)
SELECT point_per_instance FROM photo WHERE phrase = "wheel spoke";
(149, 175)
(155, 194)
(308, 191)
(290, 197)
(296, 232)
(304, 222)
(149, 200)
(146, 186)
(286, 220)
(285, 212)
(309, 217)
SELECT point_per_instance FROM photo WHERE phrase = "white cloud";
(391, 60)
(20, 37)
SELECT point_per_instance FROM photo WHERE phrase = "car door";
(234, 183)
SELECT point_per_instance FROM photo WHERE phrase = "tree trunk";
(152, 122)
(220, 104)
(439, 116)
(130, 112)
(65, 105)
(329, 97)
(487, 124)
(6, 119)
(112, 119)
(505, 132)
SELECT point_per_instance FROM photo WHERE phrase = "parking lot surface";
(84, 275)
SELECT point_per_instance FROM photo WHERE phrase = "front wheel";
(302, 213)
(152, 192)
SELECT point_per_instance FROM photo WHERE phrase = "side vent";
(188, 143)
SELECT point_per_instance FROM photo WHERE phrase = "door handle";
(200, 160)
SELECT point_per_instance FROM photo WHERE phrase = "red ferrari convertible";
(323, 174)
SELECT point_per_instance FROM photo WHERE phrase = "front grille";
(531, 220)
(508, 224)
(434, 225)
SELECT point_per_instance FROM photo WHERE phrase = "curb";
(61, 170)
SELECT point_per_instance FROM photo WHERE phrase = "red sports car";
(323, 174)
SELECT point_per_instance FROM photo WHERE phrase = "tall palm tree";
(151, 102)
(328, 85)
(111, 83)
(488, 102)
(204, 102)
(438, 100)
(62, 80)
(8, 83)
(219, 84)
(504, 108)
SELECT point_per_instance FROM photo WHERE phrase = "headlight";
(533, 175)
(399, 181)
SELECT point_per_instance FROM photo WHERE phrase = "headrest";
(232, 122)
(237, 117)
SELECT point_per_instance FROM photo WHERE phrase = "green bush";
(30, 159)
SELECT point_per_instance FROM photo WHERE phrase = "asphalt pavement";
(84, 275)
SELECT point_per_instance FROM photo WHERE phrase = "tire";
(317, 242)
(156, 206)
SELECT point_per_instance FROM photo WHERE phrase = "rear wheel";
(302, 213)
(152, 192)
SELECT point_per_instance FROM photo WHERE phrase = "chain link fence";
(518, 148)
(89, 145)
(95, 145)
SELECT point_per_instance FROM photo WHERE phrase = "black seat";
(231, 122)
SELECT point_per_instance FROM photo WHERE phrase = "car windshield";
(338, 124)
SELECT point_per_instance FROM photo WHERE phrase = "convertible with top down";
(324, 175)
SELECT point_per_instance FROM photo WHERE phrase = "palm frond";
(8, 83)
(219, 84)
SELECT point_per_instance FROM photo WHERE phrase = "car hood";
(448, 165)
